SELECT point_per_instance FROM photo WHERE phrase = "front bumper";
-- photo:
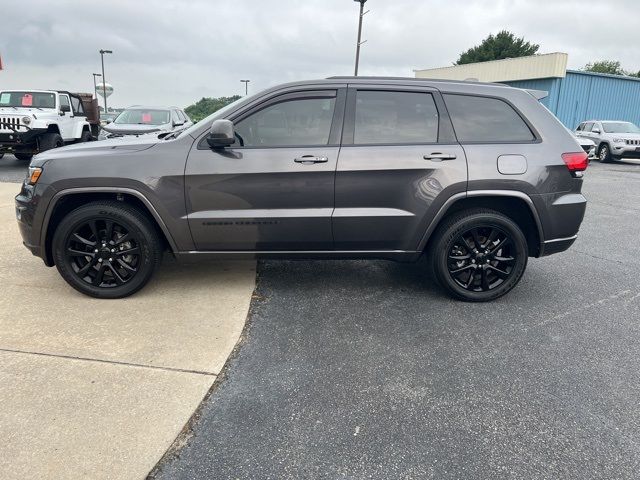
(30, 217)
(23, 141)
(623, 150)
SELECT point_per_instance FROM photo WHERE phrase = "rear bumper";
(561, 216)
(556, 246)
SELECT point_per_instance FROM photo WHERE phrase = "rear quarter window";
(486, 120)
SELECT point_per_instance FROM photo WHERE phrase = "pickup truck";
(32, 121)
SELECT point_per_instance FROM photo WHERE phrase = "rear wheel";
(106, 249)
(85, 137)
(478, 255)
(604, 154)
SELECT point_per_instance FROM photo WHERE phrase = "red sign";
(27, 100)
(146, 118)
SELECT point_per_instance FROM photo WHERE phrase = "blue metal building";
(581, 96)
(574, 96)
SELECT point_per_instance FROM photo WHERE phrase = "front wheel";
(106, 249)
(26, 157)
(478, 255)
(604, 154)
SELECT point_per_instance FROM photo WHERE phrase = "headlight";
(34, 175)
(618, 140)
(26, 120)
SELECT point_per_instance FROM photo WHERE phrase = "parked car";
(586, 144)
(347, 167)
(106, 118)
(139, 120)
(33, 121)
(614, 140)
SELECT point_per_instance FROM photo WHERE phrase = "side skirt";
(395, 255)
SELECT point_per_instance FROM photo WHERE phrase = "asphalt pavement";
(12, 169)
(364, 369)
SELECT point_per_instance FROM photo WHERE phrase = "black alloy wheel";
(103, 253)
(106, 249)
(481, 259)
(478, 255)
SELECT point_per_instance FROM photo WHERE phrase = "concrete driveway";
(100, 389)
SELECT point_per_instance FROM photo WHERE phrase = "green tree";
(496, 47)
(207, 105)
(612, 67)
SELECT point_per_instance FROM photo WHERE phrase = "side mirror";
(109, 120)
(65, 108)
(221, 134)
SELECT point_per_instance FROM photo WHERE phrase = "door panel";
(389, 190)
(260, 199)
(274, 188)
(386, 196)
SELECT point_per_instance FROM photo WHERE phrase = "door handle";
(439, 157)
(309, 159)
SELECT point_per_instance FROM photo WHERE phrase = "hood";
(129, 129)
(99, 148)
(38, 112)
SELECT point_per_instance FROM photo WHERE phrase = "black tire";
(106, 227)
(49, 141)
(85, 137)
(23, 156)
(480, 266)
(604, 154)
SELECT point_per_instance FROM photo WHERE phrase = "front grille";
(9, 123)
(632, 142)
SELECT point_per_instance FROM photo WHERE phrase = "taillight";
(576, 162)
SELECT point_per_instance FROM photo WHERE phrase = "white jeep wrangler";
(32, 121)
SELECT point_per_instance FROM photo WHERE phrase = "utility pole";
(359, 42)
(95, 87)
(104, 80)
(246, 87)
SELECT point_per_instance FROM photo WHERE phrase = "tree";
(503, 45)
(207, 105)
(612, 67)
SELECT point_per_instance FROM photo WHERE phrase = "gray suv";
(614, 140)
(478, 177)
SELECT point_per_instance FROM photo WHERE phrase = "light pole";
(104, 80)
(95, 87)
(362, 14)
(246, 87)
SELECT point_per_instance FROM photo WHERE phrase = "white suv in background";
(614, 140)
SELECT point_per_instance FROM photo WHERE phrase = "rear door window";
(387, 117)
(486, 120)
(587, 127)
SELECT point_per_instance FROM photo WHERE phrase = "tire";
(604, 154)
(478, 277)
(85, 137)
(23, 156)
(129, 249)
(49, 141)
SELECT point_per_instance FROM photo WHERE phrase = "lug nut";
(111, 259)
(100, 260)
(95, 251)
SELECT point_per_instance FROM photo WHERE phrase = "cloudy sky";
(177, 51)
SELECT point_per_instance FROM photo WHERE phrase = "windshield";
(28, 99)
(620, 127)
(141, 116)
